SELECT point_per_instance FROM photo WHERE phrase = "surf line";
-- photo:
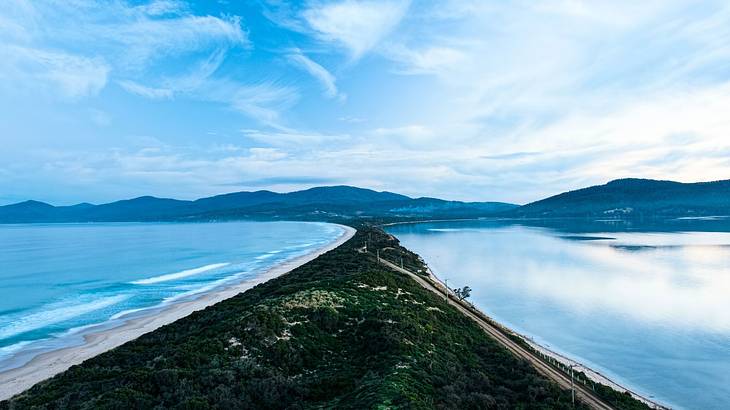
(179, 275)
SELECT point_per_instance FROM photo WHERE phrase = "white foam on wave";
(7, 351)
(55, 314)
(126, 312)
(203, 289)
(179, 275)
(267, 255)
(303, 246)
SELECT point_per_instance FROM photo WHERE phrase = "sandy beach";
(48, 364)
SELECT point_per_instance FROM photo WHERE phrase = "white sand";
(48, 364)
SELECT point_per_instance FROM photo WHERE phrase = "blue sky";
(471, 100)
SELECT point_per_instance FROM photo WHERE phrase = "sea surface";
(58, 280)
(649, 307)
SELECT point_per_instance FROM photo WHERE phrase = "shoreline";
(563, 359)
(592, 374)
(48, 364)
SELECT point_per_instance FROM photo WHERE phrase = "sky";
(471, 100)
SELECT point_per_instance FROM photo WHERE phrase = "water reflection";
(649, 307)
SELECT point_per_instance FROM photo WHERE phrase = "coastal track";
(581, 392)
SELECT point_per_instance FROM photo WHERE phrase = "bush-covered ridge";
(635, 198)
(321, 203)
(338, 332)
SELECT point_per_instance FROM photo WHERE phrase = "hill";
(321, 203)
(635, 198)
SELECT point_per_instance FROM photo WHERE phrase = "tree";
(462, 293)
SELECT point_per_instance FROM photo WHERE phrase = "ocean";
(58, 280)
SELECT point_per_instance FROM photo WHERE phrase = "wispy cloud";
(437, 59)
(144, 91)
(197, 74)
(139, 35)
(162, 7)
(510, 155)
(293, 138)
(149, 39)
(76, 46)
(72, 75)
(295, 180)
(320, 73)
(356, 25)
(264, 101)
(156, 50)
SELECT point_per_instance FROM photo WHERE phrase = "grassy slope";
(338, 332)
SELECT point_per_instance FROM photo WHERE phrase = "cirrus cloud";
(356, 25)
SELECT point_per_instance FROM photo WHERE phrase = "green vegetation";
(462, 293)
(619, 400)
(339, 332)
(635, 199)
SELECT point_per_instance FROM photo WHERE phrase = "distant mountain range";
(635, 198)
(620, 199)
(322, 203)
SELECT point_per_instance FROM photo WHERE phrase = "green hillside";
(635, 198)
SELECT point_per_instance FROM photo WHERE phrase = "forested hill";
(631, 198)
(321, 203)
(338, 332)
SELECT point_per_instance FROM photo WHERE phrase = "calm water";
(57, 279)
(651, 310)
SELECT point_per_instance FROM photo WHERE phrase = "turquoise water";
(651, 310)
(57, 280)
